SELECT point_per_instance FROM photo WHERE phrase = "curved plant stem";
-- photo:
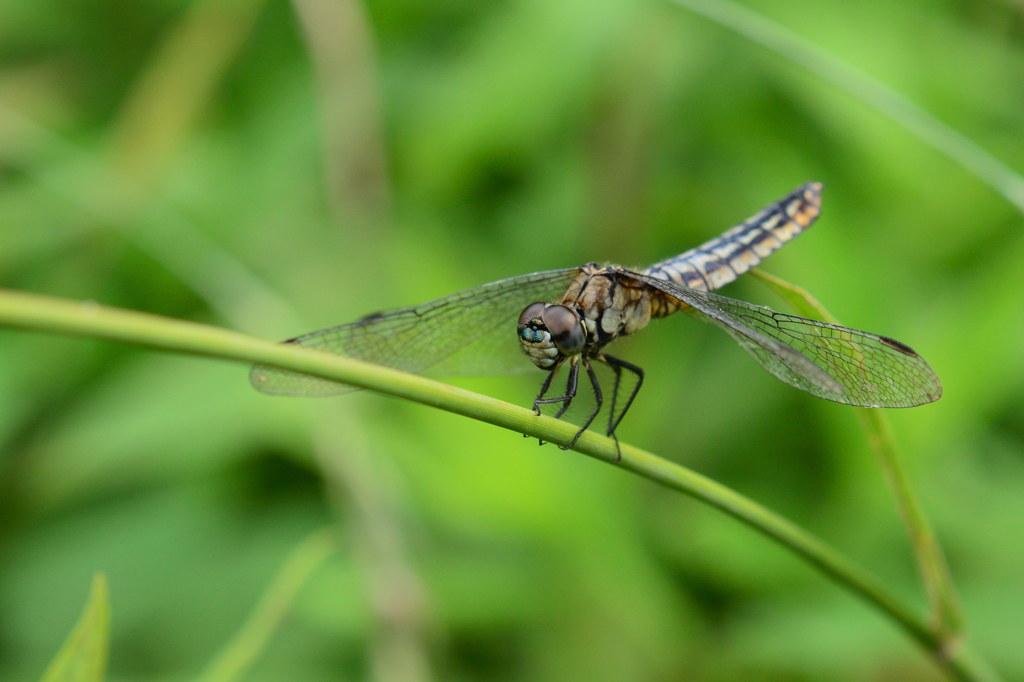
(48, 314)
(872, 92)
(946, 611)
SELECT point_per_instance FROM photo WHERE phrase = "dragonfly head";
(550, 333)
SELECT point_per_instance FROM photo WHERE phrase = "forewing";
(827, 360)
(470, 332)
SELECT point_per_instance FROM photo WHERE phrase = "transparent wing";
(832, 362)
(471, 332)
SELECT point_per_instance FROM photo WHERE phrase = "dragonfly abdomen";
(720, 261)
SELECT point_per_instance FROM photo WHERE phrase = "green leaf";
(83, 658)
(799, 299)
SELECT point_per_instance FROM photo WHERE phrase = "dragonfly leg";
(570, 390)
(597, 397)
(617, 366)
(615, 391)
(611, 408)
(544, 389)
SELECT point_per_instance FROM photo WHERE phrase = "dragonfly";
(566, 318)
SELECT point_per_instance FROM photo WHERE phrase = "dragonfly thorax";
(550, 333)
(610, 302)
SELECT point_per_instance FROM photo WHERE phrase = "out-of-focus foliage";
(280, 167)
(83, 658)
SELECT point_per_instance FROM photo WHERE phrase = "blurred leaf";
(798, 298)
(83, 658)
(342, 47)
(176, 87)
(874, 93)
(232, 662)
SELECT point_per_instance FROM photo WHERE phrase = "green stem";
(946, 611)
(232, 662)
(89, 319)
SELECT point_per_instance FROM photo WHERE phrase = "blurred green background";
(278, 167)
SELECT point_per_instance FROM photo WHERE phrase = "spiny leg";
(615, 390)
(544, 389)
(571, 385)
(611, 408)
(597, 397)
(617, 366)
(570, 388)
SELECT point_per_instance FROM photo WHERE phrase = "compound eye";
(532, 312)
(566, 330)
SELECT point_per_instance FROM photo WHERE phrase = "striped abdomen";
(718, 262)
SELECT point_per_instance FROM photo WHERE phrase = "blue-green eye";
(532, 335)
(528, 320)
